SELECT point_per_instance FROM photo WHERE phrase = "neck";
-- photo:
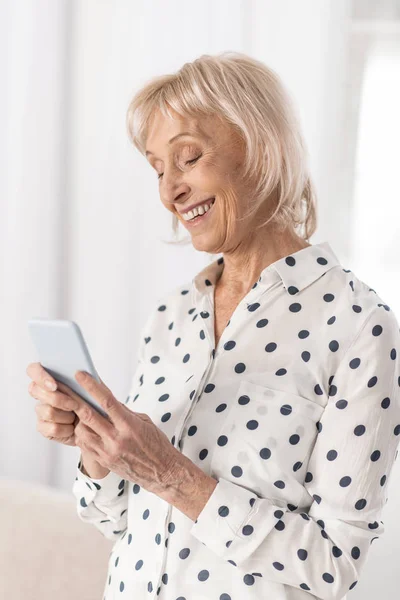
(243, 268)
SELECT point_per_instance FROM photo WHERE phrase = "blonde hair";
(249, 96)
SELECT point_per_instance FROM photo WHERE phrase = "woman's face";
(193, 168)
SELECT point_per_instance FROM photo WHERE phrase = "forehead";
(162, 128)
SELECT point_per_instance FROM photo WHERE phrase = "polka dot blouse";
(296, 414)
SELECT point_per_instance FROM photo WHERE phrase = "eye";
(188, 162)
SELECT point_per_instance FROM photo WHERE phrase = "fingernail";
(50, 385)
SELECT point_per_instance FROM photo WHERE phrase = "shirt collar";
(296, 271)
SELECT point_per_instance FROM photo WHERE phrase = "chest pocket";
(265, 442)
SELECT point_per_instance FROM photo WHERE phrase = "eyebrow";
(176, 137)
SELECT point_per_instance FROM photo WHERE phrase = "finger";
(102, 394)
(55, 431)
(45, 412)
(65, 389)
(40, 376)
(86, 438)
(56, 399)
(70, 392)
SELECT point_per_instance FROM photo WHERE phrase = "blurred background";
(82, 228)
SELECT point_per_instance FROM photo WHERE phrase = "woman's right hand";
(56, 419)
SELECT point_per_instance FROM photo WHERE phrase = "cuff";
(235, 521)
(106, 489)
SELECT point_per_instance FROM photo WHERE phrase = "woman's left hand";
(129, 444)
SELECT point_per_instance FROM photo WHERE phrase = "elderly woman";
(252, 456)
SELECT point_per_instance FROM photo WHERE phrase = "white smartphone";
(62, 351)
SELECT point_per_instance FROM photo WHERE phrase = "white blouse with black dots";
(296, 413)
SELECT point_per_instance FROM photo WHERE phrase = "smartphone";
(62, 351)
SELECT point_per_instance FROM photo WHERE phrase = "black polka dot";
(329, 297)
(247, 530)
(262, 323)
(253, 307)
(271, 347)
(223, 511)
(302, 554)
(377, 330)
(209, 388)
(265, 453)
(303, 334)
(295, 307)
(248, 579)
(354, 363)
(332, 455)
(243, 400)
(279, 484)
(229, 345)
(237, 471)
(345, 481)
(359, 430)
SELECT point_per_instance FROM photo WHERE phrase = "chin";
(203, 243)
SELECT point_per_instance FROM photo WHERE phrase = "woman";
(252, 456)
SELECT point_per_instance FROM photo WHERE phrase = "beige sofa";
(46, 551)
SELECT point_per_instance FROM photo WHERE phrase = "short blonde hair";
(249, 96)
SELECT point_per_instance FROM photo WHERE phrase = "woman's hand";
(56, 419)
(129, 443)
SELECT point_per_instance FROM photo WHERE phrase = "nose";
(174, 190)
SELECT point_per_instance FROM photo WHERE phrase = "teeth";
(199, 210)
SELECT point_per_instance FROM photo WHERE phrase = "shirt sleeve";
(104, 502)
(324, 551)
